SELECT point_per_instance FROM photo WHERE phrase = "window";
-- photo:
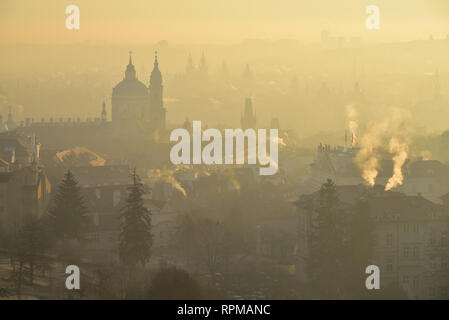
(432, 238)
(432, 292)
(433, 264)
(116, 197)
(406, 251)
(302, 222)
(444, 264)
(405, 279)
(416, 251)
(389, 239)
(405, 227)
(390, 266)
(443, 239)
(416, 227)
(416, 282)
(96, 219)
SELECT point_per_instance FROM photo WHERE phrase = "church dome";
(130, 85)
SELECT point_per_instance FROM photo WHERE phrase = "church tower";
(203, 68)
(157, 110)
(130, 73)
(129, 98)
(103, 112)
(248, 119)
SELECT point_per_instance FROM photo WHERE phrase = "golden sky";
(218, 21)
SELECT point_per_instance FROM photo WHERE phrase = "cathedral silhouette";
(132, 101)
(137, 113)
(136, 110)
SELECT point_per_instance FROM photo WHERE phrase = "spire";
(130, 73)
(247, 74)
(346, 139)
(103, 111)
(156, 63)
(156, 77)
(203, 58)
(248, 119)
(156, 115)
(203, 65)
(186, 124)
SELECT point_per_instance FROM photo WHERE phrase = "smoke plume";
(367, 156)
(167, 176)
(351, 113)
(400, 149)
(395, 130)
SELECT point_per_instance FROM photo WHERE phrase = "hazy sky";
(218, 21)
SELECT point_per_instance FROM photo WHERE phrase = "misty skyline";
(219, 22)
(212, 149)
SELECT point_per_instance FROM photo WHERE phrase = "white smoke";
(395, 131)
(167, 176)
(400, 149)
(353, 126)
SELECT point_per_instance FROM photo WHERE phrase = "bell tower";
(157, 110)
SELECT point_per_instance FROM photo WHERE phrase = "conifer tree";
(31, 243)
(69, 211)
(135, 237)
(359, 249)
(326, 264)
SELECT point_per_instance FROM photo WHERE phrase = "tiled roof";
(383, 204)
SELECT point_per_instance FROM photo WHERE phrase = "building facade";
(409, 238)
